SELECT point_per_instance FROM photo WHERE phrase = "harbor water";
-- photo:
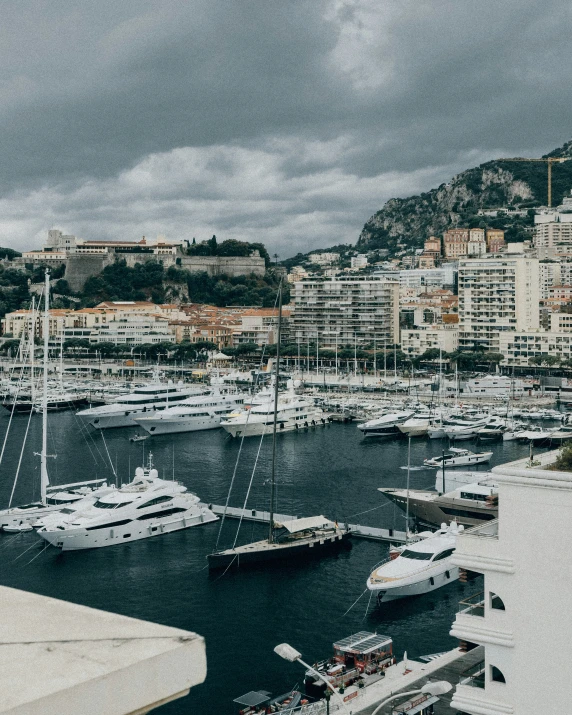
(243, 614)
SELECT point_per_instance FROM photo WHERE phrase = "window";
(103, 505)
(496, 602)
(443, 554)
(159, 514)
(419, 555)
(157, 500)
(108, 525)
(496, 675)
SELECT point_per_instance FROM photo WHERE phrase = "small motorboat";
(260, 701)
(16, 528)
(458, 458)
(139, 438)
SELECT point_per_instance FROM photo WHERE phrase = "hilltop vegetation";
(410, 221)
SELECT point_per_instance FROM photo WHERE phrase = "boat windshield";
(419, 555)
(102, 505)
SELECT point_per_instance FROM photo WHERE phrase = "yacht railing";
(473, 605)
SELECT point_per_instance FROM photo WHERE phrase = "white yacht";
(466, 431)
(147, 506)
(415, 426)
(293, 413)
(386, 425)
(123, 410)
(419, 567)
(195, 413)
(458, 458)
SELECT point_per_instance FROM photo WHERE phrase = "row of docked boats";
(461, 424)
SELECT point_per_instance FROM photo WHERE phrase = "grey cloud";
(289, 122)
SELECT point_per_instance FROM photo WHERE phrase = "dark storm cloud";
(287, 122)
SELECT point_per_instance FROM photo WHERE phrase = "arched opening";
(496, 675)
(496, 602)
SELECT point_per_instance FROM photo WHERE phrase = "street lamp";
(439, 687)
(286, 651)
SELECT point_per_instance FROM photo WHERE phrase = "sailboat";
(20, 518)
(291, 539)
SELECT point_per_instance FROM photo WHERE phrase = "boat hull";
(180, 424)
(81, 539)
(419, 588)
(262, 552)
(255, 429)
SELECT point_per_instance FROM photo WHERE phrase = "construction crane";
(549, 161)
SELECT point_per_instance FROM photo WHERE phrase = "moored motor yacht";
(145, 507)
(415, 426)
(458, 458)
(420, 567)
(124, 410)
(386, 425)
(464, 431)
(468, 504)
(293, 413)
(200, 412)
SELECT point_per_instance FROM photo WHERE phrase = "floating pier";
(263, 517)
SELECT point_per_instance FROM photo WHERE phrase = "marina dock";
(263, 517)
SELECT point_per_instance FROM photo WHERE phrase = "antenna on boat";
(276, 381)
(44, 478)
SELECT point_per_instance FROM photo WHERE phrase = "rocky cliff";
(497, 183)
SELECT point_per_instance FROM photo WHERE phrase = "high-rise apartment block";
(496, 294)
(345, 310)
(553, 230)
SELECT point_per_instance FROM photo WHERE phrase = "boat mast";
(276, 381)
(407, 502)
(44, 479)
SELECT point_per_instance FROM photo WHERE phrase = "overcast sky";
(283, 121)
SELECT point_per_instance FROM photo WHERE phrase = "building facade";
(496, 295)
(416, 341)
(519, 616)
(345, 310)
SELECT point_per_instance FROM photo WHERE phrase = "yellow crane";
(549, 161)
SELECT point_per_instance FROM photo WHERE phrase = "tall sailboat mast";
(44, 479)
(276, 381)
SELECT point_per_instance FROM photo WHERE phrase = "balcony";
(474, 676)
(478, 549)
(476, 624)
(473, 605)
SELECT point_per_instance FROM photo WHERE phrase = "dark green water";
(242, 615)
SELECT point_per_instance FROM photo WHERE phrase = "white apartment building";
(477, 245)
(324, 259)
(136, 330)
(346, 309)
(359, 261)
(553, 230)
(496, 295)
(415, 341)
(520, 614)
(549, 273)
(518, 347)
(446, 275)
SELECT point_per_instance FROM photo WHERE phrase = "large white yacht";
(386, 425)
(147, 506)
(293, 413)
(123, 410)
(200, 412)
(420, 567)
